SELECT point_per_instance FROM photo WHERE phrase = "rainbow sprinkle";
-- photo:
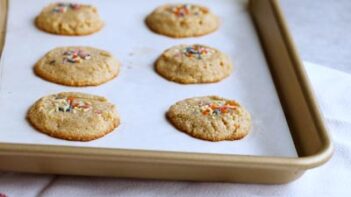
(217, 108)
(181, 10)
(75, 56)
(71, 104)
(185, 10)
(197, 51)
(63, 7)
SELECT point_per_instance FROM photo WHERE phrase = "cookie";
(190, 64)
(77, 66)
(74, 116)
(69, 19)
(182, 20)
(210, 118)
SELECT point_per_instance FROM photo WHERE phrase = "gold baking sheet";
(306, 126)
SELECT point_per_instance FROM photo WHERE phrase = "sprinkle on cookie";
(181, 10)
(186, 10)
(217, 107)
(197, 51)
(71, 104)
(75, 56)
(63, 7)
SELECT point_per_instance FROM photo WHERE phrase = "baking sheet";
(143, 97)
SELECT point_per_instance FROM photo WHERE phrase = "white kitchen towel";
(333, 90)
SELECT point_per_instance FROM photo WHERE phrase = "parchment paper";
(143, 97)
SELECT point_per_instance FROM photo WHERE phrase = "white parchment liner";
(142, 97)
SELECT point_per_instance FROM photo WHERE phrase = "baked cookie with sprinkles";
(182, 20)
(77, 66)
(74, 116)
(69, 19)
(210, 118)
(189, 64)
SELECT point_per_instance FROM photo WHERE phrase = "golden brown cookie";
(69, 19)
(74, 116)
(77, 66)
(182, 20)
(210, 118)
(196, 63)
